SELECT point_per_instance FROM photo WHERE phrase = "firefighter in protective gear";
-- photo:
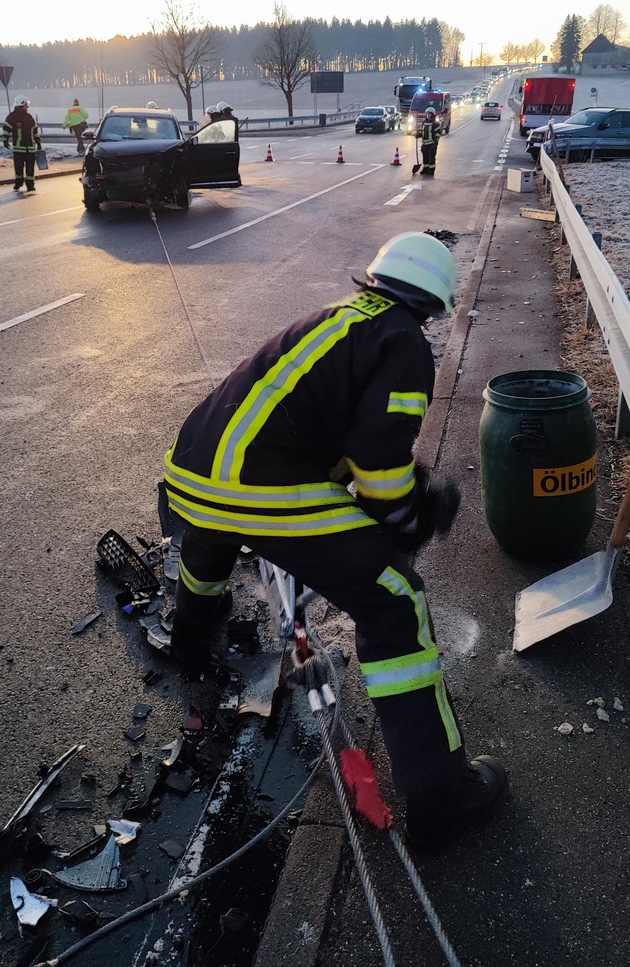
(76, 119)
(430, 131)
(20, 129)
(345, 388)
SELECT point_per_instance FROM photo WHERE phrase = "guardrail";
(607, 299)
(247, 125)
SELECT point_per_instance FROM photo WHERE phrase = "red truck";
(545, 99)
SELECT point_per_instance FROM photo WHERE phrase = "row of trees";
(577, 32)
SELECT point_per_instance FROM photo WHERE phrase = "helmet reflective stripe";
(418, 260)
(384, 484)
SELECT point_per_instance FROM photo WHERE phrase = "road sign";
(5, 75)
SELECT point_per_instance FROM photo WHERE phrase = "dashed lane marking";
(396, 200)
(30, 218)
(286, 208)
(41, 311)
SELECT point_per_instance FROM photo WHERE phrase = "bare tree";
(452, 39)
(603, 20)
(287, 55)
(508, 54)
(535, 48)
(181, 44)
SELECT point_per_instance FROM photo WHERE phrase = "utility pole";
(481, 63)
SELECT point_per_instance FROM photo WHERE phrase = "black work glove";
(435, 505)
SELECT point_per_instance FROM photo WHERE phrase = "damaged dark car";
(141, 155)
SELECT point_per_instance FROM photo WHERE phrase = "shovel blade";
(563, 599)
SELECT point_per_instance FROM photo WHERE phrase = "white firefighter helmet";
(21, 101)
(213, 109)
(416, 267)
(430, 111)
(151, 106)
(223, 106)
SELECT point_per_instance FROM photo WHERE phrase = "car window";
(223, 130)
(588, 117)
(373, 111)
(139, 128)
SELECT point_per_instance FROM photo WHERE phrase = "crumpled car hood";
(121, 150)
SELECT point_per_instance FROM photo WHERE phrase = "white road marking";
(40, 312)
(353, 164)
(295, 157)
(29, 218)
(396, 200)
(285, 208)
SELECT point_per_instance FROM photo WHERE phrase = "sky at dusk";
(492, 24)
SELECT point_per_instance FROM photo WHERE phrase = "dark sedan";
(141, 155)
(372, 119)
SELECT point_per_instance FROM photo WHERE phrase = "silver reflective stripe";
(323, 522)
(424, 669)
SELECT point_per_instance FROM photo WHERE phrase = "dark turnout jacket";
(20, 129)
(347, 386)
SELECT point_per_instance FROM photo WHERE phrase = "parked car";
(491, 109)
(142, 155)
(372, 119)
(395, 117)
(606, 129)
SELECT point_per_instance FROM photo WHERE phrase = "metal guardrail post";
(574, 272)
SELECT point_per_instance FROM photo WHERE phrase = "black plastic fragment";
(128, 567)
(85, 621)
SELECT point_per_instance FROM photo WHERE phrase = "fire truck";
(406, 88)
(545, 99)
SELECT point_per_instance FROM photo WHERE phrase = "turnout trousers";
(429, 152)
(24, 164)
(363, 573)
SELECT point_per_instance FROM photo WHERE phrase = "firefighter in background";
(346, 387)
(430, 132)
(76, 119)
(20, 128)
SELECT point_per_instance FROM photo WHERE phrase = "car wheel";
(90, 199)
(182, 199)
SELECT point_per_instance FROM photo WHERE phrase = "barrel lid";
(547, 389)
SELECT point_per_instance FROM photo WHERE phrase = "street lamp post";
(203, 98)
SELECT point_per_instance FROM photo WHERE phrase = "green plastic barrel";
(538, 445)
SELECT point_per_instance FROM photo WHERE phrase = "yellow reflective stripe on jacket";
(417, 670)
(293, 525)
(384, 484)
(210, 589)
(249, 496)
(412, 404)
(269, 391)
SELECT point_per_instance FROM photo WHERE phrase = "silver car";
(491, 109)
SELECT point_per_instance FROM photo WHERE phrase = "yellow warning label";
(559, 481)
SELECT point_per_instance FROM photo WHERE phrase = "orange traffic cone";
(340, 160)
(396, 160)
(269, 154)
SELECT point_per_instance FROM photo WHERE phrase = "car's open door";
(213, 156)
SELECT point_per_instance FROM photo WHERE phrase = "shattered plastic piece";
(193, 721)
(172, 848)
(565, 729)
(157, 635)
(473, 314)
(181, 782)
(141, 710)
(89, 847)
(234, 920)
(85, 621)
(602, 715)
(173, 749)
(84, 916)
(152, 678)
(99, 874)
(35, 795)
(30, 907)
(618, 707)
(172, 555)
(126, 564)
(358, 774)
(135, 733)
(125, 830)
(587, 729)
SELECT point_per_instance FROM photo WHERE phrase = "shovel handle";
(622, 521)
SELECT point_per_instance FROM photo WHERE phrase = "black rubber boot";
(18, 184)
(191, 644)
(429, 829)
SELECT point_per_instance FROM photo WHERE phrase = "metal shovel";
(573, 594)
(418, 165)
